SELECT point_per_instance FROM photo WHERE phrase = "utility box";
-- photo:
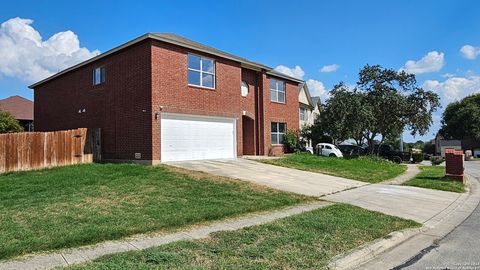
(454, 164)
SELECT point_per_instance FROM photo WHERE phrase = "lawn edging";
(380, 254)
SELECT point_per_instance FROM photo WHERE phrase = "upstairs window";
(201, 71)
(303, 114)
(244, 89)
(277, 91)
(98, 75)
(278, 132)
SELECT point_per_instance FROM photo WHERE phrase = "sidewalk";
(88, 253)
(412, 170)
(439, 211)
(386, 255)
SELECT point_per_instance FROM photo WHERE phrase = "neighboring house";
(162, 97)
(308, 109)
(316, 107)
(21, 109)
(464, 144)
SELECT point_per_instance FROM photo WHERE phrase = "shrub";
(417, 157)
(436, 160)
(292, 142)
(8, 123)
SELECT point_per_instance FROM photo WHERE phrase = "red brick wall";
(248, 105)
(279, 112)
(151, 77)
(171, 92)
(120, 106)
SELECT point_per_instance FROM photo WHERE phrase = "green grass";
(362, 169)
(305, 241)
(434, 178)
(85, 204)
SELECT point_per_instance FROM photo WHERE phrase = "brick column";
(454, 164)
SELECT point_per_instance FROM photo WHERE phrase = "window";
(277, 91)
(201, 71)
(303, 114)
(98, 75)
(244, 89)
(278, 132)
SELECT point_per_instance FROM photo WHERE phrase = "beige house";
(309, 109)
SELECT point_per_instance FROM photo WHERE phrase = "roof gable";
(179, 41)
(21, 108)
(304, 95)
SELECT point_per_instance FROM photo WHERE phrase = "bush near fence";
(36, 150)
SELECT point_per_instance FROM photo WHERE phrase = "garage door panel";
(193, 138)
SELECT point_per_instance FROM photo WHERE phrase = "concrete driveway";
(286, 179)
(419, 204)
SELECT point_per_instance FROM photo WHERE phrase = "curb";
(369, 251)
(411, 241)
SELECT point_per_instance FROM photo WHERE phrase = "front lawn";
(434, 178)
(305, 241)
(363, 169)
(85, 204)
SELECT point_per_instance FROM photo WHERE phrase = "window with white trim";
(277, 90)
(278, 132)
(201, 71)
(98, 75)
(244, 89)
(303, 114)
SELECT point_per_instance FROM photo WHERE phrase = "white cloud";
(470, 52)
(317, 88)
(330, 68)
(431, 62)
(24, 55)
(454, 88)
(296, 72)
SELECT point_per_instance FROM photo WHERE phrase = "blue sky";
(299, 36)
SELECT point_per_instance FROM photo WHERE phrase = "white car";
(328, 150)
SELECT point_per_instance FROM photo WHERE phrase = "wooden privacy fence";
(37, 150)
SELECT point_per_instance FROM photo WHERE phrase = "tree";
(396, 103)
(383, 103)
(429, 148)
(461, 119)
(8, 123)
(343, 116)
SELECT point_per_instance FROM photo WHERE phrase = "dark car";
(387, 152)
(351, 150)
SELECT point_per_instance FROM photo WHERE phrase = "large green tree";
(461, 119)
(383, 104)
(396, 103)
(8, 123)
(343, 116)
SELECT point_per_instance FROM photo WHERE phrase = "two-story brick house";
(162, 97)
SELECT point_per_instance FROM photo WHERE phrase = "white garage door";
(185, 137)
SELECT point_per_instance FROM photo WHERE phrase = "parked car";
(351, 150)
(387, 152)
(328, 150)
